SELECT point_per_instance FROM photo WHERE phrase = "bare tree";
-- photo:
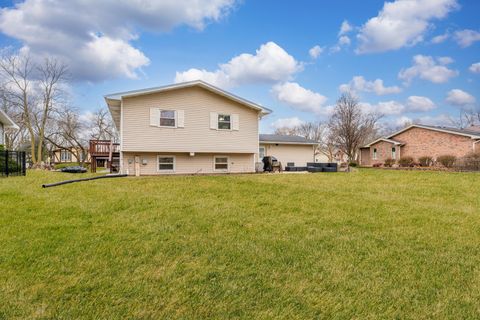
(52, 75)
(67, 131)
(350, 126)
(101, 126)
(32, 91)
(16, 75)
(467, 117)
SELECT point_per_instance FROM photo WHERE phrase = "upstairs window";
(167, 118)
(224, 122)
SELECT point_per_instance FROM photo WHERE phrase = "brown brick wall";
(419, 142)
(422, 142)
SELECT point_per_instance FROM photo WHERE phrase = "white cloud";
(315, 52)
(466, 38)
(445, 60)
(425, 67)
(436, 120)
(287, 123)
(401, 23)
(299, 98)
(385, 108)
(418, 103)
(475, 68)
(440, 38)
(95, 37)
(271, 63)
(345, 28)
(344, 41)
(460, 98)
(359, 84)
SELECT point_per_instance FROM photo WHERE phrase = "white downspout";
(121, 137)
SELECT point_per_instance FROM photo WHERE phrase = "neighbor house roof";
(462, 132)
(113, 100)
(383, 139)
(285, 139)
(7, 122)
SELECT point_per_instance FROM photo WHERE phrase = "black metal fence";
(12, 163)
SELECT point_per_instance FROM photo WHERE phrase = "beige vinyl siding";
(299, 154)
(185, 164)
(2, 134)
(197, 105)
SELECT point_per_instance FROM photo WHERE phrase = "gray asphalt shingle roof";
(464, 131)
(285, 139)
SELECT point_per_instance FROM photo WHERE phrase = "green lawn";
(366, 245)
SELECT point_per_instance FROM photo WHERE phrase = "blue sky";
(413, 60)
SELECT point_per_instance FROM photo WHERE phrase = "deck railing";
(103, 147)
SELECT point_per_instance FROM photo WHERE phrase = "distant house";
(287, 149)
(69, 155)
(5, 122)
(421, 140)
(194, 127)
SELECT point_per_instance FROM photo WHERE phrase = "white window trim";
(264, 152)
(221, 170)
(218, 121)
(374, 156)
(394, 153)
(65, 159)
(175, 117)
(166, 156)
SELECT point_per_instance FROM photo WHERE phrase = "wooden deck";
(107, 150)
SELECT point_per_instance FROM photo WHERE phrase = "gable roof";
(7, 122)
(462, 132)
(383, 139)
(285, 139)
(113, 100)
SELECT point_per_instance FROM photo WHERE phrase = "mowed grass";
(371, 244)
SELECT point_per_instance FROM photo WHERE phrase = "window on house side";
(166, 163)
(221, 163)
(374, 154)
(167, 118)
(393, 153)
(261, 153)
(224, 122)
(65, 155)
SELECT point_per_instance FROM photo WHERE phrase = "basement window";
(166, 163)
(221, 163)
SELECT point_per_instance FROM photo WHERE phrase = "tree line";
(35, 94)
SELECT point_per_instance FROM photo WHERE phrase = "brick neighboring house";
(421, 140)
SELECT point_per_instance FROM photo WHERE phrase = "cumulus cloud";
(401, 23)
(427, 68)
(346, 27)
(287, 123)
(270, 63)
(465, 38)
(475, 68)
(460, 98)
(418, 103)
(440, 38)
(95, 37)
(315, 52)
(299, 98)
(385, 108)
(359, 84)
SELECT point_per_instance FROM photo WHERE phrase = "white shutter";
(213, 120)
(180, 118)
(235, 122)
(155, 117)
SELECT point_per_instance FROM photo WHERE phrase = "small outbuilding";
(289, 150)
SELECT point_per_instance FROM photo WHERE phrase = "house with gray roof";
(419, 140)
